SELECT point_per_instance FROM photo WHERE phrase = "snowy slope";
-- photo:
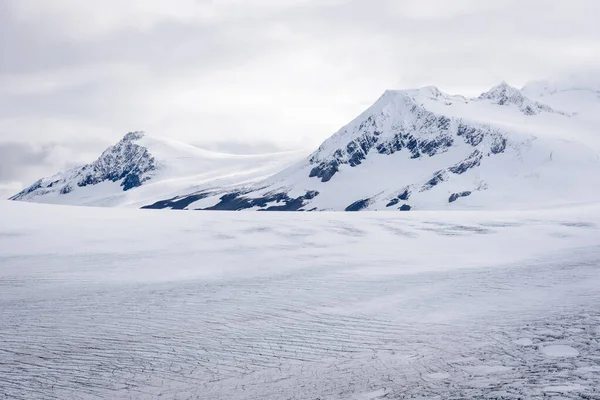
(415, 149)
(100, 303)
(423, 149)
(578, 93)
(142, 168)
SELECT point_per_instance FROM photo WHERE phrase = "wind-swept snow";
(118, 304)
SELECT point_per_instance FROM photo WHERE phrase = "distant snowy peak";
(412, 149)
(408, 110)
(401, 119)
(424, 149)
(506, 95)
(398, 121)
(126, 162)
(140, 169)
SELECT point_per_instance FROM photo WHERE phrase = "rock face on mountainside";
(399, 124)
(126, 162)
(422, 149)
(142, 169)
(411, 150)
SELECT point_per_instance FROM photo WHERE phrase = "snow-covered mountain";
(412, 149)
(143, 168)
(424, 149)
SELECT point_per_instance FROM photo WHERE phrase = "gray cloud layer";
(255, 75)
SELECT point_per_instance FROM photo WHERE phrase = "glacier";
(113, 303)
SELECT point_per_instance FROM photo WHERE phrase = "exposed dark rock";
(404, 195)
(133, 136)
(473, 160)
(311, 194)
(405, 207)
(368, 123)
(178, 203)
(438, 145)
(237, 201)
(66, 189)
(325, 171)
(358, 148)
(126, 160)
(392, 146)
(498, 145)
(37, 185)
(294, 204)
(429, 135)
(443, 123)
(358, 205)
(233, 202)
(354, 153)
(33, 187)
(456, 196)
(131, 181)
(392, 202)
(412, 143)
(437, 178)
(471, 135)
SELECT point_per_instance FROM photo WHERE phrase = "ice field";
(123, 303)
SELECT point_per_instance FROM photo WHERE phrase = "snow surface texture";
(118, 304)
(412, 150)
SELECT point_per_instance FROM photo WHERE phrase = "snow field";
(119, 304)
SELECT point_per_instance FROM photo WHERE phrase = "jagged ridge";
(407, 125)
(125, 161)
(504, 94)
(411, 148)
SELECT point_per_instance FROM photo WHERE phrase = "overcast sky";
(252, 76)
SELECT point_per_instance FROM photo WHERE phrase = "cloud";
(18, 160)
(263, 74)
(16, 156)
(80, 21)
(22, 163)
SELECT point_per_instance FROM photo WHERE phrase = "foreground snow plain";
(120, 303)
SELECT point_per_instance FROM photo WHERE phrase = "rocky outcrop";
(456, 196)
(126, 162)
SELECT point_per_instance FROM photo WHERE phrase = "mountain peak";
(503, 94)
(399, 120)
(412, 149)
(507, 95)
(132, 136)
(126, 162)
